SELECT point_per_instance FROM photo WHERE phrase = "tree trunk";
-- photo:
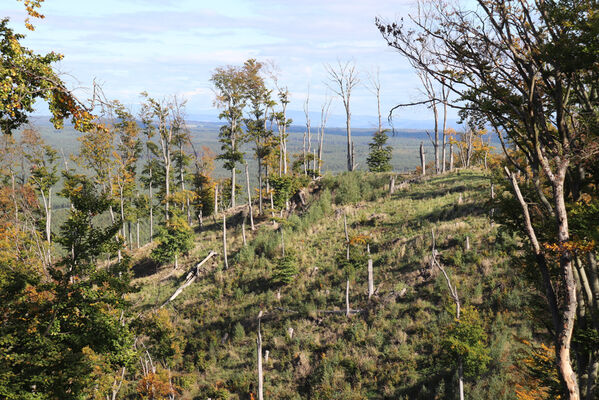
(370, 279)
(249, 190)
(150, 200)
(450, 157)
(422, 159)
(443, 144)
(243, 232)
(260, 373)
(167, 171)
(436, 142)
(260, 207)
(568, 292)
(461, 379)
(225, 241)
(233, 187)
(320, 146)
(350, 159)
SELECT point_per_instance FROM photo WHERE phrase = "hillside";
(395, 345)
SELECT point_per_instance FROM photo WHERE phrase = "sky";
(170, 47)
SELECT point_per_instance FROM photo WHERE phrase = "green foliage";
(174, 239)
(284, 187)
(163, 340)
(54, 327)
(465, 339)
(285, 270)
(379, 158)
(26, 77)
(204, 187)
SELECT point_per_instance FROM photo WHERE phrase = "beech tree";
(230, 87)
(529, 69)
(42, 159)
(127, 152)
(165, 118)
(260, 111)
(26, 77)
(49, 339)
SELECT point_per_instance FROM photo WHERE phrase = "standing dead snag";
(243, 231)
(346, 234)
(370, 275)
(343, 79)
(260, 374)
(225, 241)
(454, 295)
(324, 115)
(422, 159)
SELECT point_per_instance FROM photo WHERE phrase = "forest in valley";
(146, 255)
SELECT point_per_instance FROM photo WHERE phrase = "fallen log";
(191, 277)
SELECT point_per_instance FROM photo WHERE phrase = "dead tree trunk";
(450, 156)
(243, 231)
(225, 241)
(422, 159)
(191, 277)
(370, 278)
(215, 199)
(259, 351)
(346, 234)
(324, 115)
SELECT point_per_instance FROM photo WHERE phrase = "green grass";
(392, 349)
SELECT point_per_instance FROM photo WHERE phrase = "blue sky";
(169, 47)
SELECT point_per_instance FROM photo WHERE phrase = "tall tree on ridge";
(230, 86)
(167, 118)
(126, 155)
(260, 102)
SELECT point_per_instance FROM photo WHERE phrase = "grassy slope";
(393, 349)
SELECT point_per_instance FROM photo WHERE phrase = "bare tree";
(374, 86)
(342, 80)
(324, 115)
(307, 133)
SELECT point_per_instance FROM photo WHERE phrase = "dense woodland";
(130, 269)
